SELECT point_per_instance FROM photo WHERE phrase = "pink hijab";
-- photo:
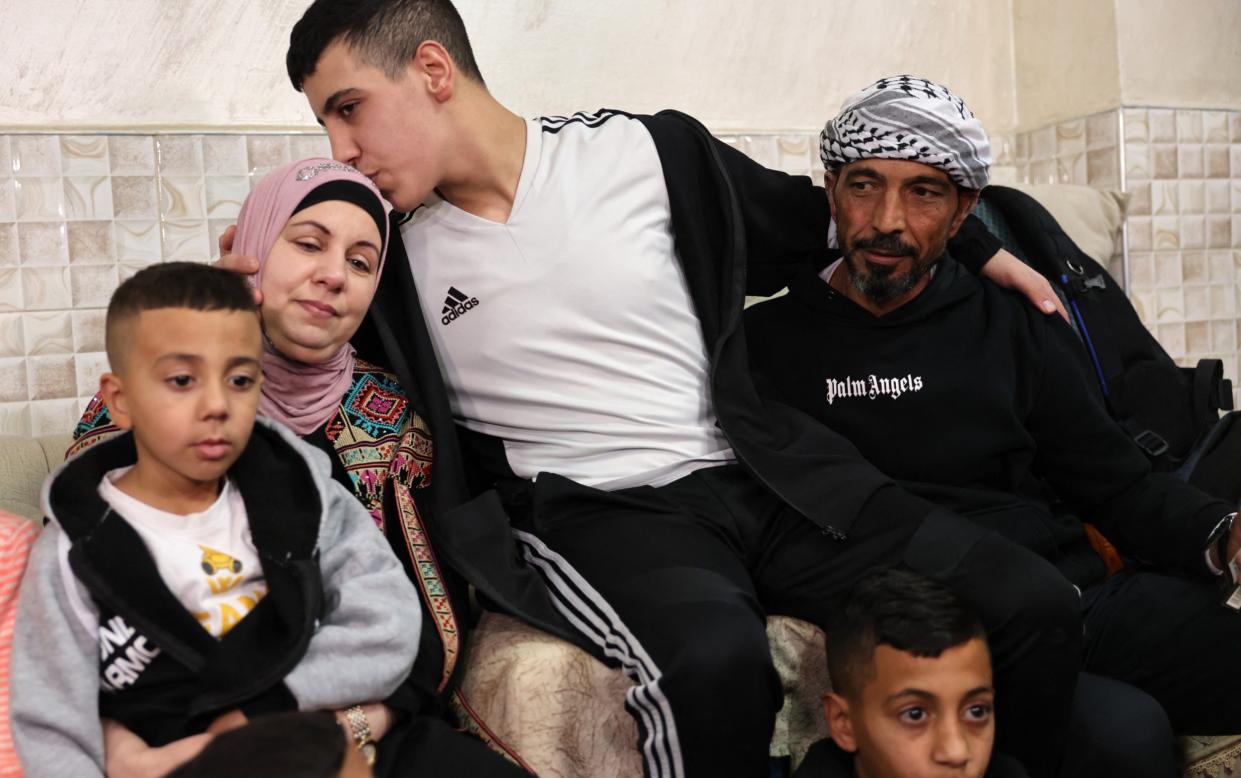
(301, 396)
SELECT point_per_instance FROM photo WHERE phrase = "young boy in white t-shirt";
(200, 566)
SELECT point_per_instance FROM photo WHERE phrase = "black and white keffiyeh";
(909, 118)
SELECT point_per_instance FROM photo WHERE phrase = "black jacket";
(825, 759)
(739, 228)
(972, 399)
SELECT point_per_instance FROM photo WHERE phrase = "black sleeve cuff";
(974, 245)
(277, 699)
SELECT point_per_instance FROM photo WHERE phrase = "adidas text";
(458, 310)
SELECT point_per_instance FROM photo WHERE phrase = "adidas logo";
(455, 305)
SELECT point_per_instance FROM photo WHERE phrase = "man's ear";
(966, 200)
(436, 68)
(112, 389)
(839, 721)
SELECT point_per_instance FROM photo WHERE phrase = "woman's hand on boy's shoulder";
(237, 263)
(128, 756)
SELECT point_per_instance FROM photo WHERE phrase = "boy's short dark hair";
(383, 33)
(897, 608)
(172, 285)
(284, 745)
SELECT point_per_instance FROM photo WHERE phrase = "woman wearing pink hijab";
(320, 229)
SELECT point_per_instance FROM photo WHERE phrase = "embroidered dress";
(384, 448)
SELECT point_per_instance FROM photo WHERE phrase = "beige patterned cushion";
(561, 713)
(24, 464)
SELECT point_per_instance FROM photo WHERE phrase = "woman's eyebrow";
(312, 223)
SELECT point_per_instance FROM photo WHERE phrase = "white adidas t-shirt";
(207, 560)
(569, 332)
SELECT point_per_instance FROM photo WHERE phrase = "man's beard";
(878, 283)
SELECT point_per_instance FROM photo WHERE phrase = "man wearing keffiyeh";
(967, 398)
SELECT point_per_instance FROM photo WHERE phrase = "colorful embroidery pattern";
(375, 402)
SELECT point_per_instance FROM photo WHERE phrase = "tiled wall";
(80, 213)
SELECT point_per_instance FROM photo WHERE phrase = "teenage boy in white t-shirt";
(200, 567)
(565, 300)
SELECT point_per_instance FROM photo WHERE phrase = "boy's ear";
(839, 721)
(112, 389)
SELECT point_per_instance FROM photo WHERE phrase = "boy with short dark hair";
(200, 565)
(912, 690)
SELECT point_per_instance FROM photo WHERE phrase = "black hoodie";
(972, 399)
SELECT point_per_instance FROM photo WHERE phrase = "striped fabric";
(16, 536)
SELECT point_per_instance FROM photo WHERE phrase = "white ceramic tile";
(1234, 126)
(46, 288)
(13, 385)
(1190, 161)
(181, 197)
(10, 253)
(1138, 165)
(1223, 301)
(39, 199)
(8, 199)
(15, 417)
(11, 298)
(1217, 197)
(1169, 305)
(1222, 267)
(88, 331)
(91, 243)
(1164, 160)
(12, 335)
(1189, 126)
(1139, 198)
(1194, 267)
(1197, 337)
(48, 332)
(1236, 231)
(1165, 198)
(1215, 126)
(1219, 231)
(225, 194)
(1162, 124)
(179, 155)
(1168, 268)
(53, 417)
(1192, 196)
(1172, 337)
(224, 155)
(84, 155)
(1071, 137)
(1101, 129)
(42, 243)
(135, 197)
(35, 155)
(6, 156)
(1193, 232)
(1197, 304)
(1234, 157)
(138, 242)
(266, 152)
(88, 198)
(131, 155)
(1137, 126)
(93, 285)
(186, 241)
(305, 146)
(88, 368)
(1223, 337)
(51, 378)
(1215, 162)
(1142, 269)
(1166, 232)
(1140, 238)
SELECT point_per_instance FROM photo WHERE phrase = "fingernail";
(1048, 306)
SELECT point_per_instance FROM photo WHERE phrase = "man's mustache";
(886, 244)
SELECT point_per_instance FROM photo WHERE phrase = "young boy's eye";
(180, 381)
(978, 712)
(241, 381)
(914, 715)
